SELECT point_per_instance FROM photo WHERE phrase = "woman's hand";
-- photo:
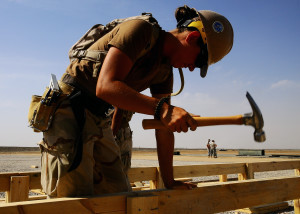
(177, 119)
(183, 185)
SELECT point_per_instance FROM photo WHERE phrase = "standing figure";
(208, 148)
(214, 149)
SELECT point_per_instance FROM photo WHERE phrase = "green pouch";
(42, 108)
(40, 114)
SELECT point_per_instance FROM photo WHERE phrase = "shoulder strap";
(80, 49)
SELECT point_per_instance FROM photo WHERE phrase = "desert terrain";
(16, 159)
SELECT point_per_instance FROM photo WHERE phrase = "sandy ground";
(229, 156)
(16, 161)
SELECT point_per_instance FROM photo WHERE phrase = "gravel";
(19, 162)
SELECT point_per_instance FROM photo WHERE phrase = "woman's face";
(185, 56)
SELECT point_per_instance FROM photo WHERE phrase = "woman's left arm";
(165, 149)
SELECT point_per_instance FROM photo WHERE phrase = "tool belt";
(42, 110)
(81, 98)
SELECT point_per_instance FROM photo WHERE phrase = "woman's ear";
(192, 37)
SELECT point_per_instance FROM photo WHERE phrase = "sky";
(35, 36)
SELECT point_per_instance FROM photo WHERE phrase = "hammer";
(254, 119)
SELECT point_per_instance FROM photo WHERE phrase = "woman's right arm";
(112, 89)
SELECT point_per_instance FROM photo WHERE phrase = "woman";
(134, 62)
(208, 148)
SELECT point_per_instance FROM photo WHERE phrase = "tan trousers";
(124, 140)
(101, 169)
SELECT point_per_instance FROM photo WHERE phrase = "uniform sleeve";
(132, 37)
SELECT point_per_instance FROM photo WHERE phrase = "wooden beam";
(230, 195)
(242, 176)
(34, 177)
(142, 204)
(297, 201)
(19, 189)
(142, 174)
(249, 171)
(297, 206)
(158, 182)
(208, 170)
(275, 165)
(269, 208)
(217, 197)
(150, 173)
(110, 204)
(222, 178)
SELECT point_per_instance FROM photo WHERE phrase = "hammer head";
(256, 120)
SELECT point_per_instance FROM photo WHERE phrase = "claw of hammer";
(255, 119)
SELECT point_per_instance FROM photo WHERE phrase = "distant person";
(214, 149)
(208, 148)
(211, 149)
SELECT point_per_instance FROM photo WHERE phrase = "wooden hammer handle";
(202, 121)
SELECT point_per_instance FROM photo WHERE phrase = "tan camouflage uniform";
(124, 140)
(101, 169)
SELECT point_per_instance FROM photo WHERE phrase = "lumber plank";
(297, 201)
(157, 183)
(222, 178)
(34, 180)
(249, 171)
(110, 204)
(242, 176)
(266, 208)
(230, 195)
(19, 189)
(217, 197)
(208, 170)
(151, 173)
(142, 174)
(135, 174)
(142, 204)
(275, 165)
(297, 206)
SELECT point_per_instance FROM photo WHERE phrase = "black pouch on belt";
(78, 110)
(80, 101)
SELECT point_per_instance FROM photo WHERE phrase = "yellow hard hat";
(217, 37)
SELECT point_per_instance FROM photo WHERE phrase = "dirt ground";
(18, 160)
(185, 154)
(228, 156)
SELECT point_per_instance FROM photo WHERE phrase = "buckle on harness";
(79, 53)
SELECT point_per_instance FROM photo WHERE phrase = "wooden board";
(274, 165)
(208, 170)
(266, 208)
(19, 189)
(142, 204)
(218, 197)
(34, 180)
